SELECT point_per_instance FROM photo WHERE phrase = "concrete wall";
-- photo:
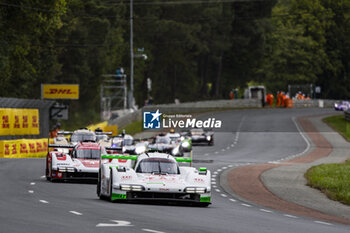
(210, 105)
(318, 103)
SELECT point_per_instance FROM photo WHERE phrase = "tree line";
(196, 49)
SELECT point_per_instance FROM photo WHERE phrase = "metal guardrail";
(347, 115)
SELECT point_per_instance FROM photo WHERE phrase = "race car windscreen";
(128, 142)
(101, 137)
(164, 140)
(157, 166)
(83, 137)
(89, 153)
(197, 131)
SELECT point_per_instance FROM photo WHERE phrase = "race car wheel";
(47, 170)
(110, 185)
(204, 204)
(99, 184)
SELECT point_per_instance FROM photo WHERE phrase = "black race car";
(164, 144)
(199, 136)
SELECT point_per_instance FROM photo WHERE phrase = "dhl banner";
(60, 91)
(24, 148)
(15, 121)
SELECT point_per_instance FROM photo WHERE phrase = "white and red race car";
(76, 162)
(155, 177)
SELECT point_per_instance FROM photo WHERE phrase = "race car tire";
(110, 185)
(203, 204)
(98, 191)
(47, 171)
(211, 143)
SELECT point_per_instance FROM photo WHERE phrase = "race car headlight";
(175, 151)
(137, 188)
(195, 190)
(140, 149)
(208, 138)
(185, 144)
(62, 169)
(128, 187)
(66, 169)
(125, 187)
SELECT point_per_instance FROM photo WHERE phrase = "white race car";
(76, 162)
(156, 177)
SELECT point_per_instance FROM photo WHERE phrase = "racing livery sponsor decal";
(89, 163)
(126, 177)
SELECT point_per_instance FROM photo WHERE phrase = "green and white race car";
(155, 177)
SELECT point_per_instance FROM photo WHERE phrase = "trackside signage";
(15, 121)
(157, 120)
(60, 91)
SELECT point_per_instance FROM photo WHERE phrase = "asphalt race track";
(29, 203)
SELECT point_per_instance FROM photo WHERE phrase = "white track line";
(30, 191)
(75, 212)
(290, 216)
(246, 205)
(233, 200)
(42, 177)
(217, 190)
(43, 201)
(33, 183)
(324, 223)
(223, 195)
(154, 231)
(267, 211)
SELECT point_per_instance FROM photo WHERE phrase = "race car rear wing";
(61, 146)
(65, 132)
(134, 157)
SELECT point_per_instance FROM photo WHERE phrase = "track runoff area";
(32, 204)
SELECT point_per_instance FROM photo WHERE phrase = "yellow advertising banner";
(15, 121)
(105, 127)
(60, 91)
(23, 148)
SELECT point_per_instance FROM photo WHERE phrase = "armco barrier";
(189, 107)
(24, 148)
(347, 115)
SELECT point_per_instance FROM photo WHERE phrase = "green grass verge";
(332, 179)
(132, 128)
(339, 124)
